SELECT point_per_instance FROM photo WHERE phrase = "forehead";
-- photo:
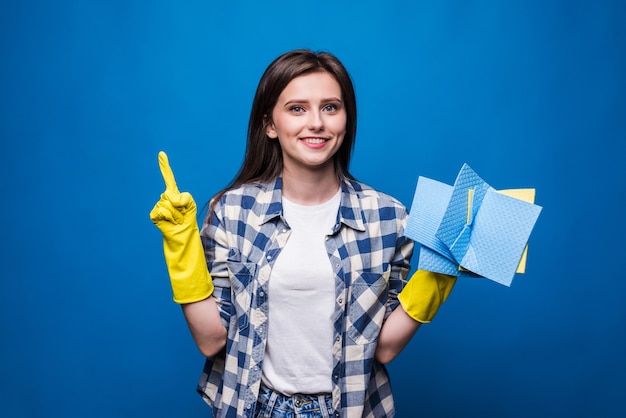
(312, 85)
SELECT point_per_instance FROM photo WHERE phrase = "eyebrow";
(327, 100)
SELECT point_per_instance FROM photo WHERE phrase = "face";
(309, 121)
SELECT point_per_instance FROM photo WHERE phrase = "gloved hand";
(175, 215)
(425, 293)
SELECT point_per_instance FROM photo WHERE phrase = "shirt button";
(269, 257)
(261, 293)
(340, 301)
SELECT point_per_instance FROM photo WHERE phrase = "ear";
(270, 129)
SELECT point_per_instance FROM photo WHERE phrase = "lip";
(314, 141)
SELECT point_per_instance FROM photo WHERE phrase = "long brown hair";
(263, 160)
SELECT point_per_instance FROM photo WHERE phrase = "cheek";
(339, 125)
(287, 125)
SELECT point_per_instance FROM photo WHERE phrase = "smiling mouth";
(314, 140)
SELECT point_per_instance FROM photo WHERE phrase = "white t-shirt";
(301, 297)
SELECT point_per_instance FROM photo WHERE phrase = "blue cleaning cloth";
(470, 229)
(427, 210)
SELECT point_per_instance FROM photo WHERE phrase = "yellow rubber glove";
(425, 293)
(175, 215)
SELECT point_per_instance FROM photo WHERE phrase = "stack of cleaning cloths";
(470, 229)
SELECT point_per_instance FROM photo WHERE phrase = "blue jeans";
(276, 405)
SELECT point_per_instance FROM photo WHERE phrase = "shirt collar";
(350, 210)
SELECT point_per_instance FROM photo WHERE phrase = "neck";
(310, 188)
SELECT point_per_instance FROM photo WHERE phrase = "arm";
(192, 286)
(395, 334)
(204, 322)
(206, 318)
(419, 302)
(398, 328)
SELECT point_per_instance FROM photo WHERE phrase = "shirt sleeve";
(216, 248)
(401, 263)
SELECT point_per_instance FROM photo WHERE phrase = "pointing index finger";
(167, 173)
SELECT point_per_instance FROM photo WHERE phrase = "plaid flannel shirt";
(370, 259)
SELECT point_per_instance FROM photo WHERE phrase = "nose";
(315, 122)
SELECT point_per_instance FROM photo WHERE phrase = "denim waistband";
(272, 404)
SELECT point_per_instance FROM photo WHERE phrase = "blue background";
(530, 94)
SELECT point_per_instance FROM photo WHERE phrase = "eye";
(331, 108)
(296, 109)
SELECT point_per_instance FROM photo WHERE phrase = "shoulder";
(371, 198)
(253, 198)
(242, 195)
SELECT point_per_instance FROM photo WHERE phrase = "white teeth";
(314, 140)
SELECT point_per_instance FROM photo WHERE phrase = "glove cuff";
(424, 294)
(187, 267)
(194, 290)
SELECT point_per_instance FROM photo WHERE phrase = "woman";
(301, 308)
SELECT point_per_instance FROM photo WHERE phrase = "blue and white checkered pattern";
(370, 258)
